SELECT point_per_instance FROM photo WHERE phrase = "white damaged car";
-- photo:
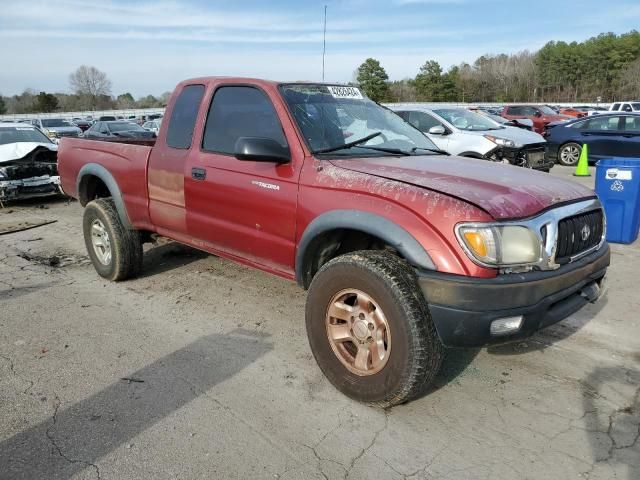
(461, 132)
(28, 163)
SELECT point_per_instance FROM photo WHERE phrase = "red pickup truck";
(403, 248)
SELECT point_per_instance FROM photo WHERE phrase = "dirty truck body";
(404, 250)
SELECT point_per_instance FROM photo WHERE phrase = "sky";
(146, 47)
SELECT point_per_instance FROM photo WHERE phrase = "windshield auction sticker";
(345, 92)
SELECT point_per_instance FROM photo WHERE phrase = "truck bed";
(126, 162)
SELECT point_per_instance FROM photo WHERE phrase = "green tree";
(372, 79)
(45, 103)
(148, 102)
(449, 91)
(429, 82)
(3, 106)
(125, 100)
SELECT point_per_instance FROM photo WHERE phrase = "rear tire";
(569, 154)
(402, 352)
(115, 251)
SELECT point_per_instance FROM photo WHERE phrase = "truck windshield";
(22, 134)
(341, 121)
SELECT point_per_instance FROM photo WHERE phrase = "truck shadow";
(614, 436)
(80, 434)
(169, 256)
(456, 361)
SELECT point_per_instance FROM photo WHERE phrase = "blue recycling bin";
(618, 187)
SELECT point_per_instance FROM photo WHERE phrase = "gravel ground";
(201, 369)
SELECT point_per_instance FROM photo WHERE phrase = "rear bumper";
(463, 308)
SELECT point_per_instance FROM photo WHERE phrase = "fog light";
(504, 326)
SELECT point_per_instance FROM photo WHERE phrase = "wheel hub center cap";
(360, 330)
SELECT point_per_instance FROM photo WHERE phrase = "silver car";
(461, 132)
(153, 125)
(56, 128)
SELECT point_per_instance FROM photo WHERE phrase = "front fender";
(366, 222)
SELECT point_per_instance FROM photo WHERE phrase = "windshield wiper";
(349, 144)
(434, 150)
(395, 151)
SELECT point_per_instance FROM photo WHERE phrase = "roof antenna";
(324, 40)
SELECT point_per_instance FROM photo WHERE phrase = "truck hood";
(18, 150)
(519, 135)
(503, 191)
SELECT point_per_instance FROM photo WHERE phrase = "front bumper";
(530, 156)
(29, 188)
(463, 308)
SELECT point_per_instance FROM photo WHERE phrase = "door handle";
(198, 173)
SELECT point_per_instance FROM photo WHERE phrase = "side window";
(579, 125)
(183, 117)
(626, 107)
(240, 112)
(404, 115)
(422, 121)
(603, 124)
(514, 111)
(615, 107)
(632, 124)
(529, 111)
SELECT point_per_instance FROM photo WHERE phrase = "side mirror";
(437, 130)
(260, 149)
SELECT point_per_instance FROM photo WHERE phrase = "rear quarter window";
(183, 117)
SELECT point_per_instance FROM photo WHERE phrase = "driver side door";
(245, 209)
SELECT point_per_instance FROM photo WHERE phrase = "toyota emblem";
(585, 232)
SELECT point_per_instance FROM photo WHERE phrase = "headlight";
(500, 246)
(503, 142)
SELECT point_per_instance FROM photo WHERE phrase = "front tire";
(115, 251)
(569, 154)
(370, 329)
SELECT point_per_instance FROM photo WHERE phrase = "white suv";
(625, 107)
(459, 131)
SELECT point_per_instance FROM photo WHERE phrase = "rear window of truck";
(183, 117)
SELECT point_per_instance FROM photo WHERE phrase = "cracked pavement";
(201, 369)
